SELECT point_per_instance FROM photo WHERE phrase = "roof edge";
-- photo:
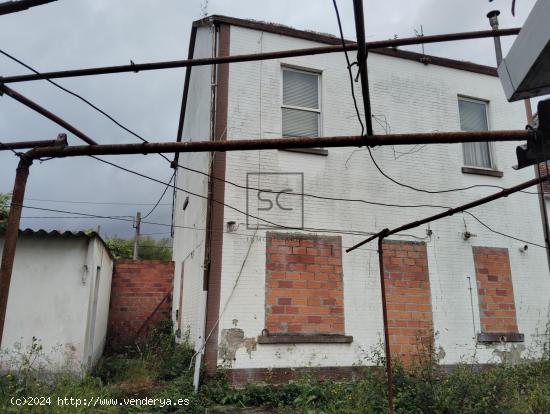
(326, 38)
(90, 235)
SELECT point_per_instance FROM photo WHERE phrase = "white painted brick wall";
(189, 239)
(413, 98)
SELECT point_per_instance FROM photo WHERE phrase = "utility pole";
(137, 226)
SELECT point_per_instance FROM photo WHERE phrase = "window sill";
(305, 339)
(493, 337)
(315, 151)
(482, 171)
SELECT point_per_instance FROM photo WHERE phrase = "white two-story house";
(261, 270)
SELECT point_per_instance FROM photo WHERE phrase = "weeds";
(158, 368)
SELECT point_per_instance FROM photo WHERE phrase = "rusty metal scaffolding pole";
(20, 5)
(504, 193)
(12, 230)
(140, 67)
(12, 234)
(43, 111)
(362, 56)
(285, 143)
(8, 146)
(387, 346)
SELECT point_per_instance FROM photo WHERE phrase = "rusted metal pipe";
(362, 55)
(7, 146)
(493, 21)
(17, 6)
(285, 143)
(387, 345)
(43, 111)
(12, 230)
(504, 193)
(12, 233)
(139, 67)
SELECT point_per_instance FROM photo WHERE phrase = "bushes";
(159, 368)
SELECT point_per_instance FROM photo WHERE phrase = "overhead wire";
(108, 203)
(369, 149)
(218, 178)
(121, 218)
(161, 197)
(408, 186)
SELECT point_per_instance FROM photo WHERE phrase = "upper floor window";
(473, 117)
(301, 103)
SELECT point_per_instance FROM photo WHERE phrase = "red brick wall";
(408, 300)
(304, 293)
(497, 310)
(138, 287)
(543, 171)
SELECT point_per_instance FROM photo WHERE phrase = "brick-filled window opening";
(301, 103)
(497, 310)
(408, 299)
(473, 117)
(304, 287)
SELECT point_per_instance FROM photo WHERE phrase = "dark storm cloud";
(78, 33)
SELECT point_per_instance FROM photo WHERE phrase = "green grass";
(159, 368)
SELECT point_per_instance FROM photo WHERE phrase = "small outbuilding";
(59, 297)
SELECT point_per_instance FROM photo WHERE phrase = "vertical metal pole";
(12, 234)
(386, 328)
(362, 61)
(136, 238)
(493, 20)
(540, 188)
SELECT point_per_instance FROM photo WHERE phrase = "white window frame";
(318, 74)
(492, 158)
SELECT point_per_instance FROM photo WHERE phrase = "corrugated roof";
(62, 234)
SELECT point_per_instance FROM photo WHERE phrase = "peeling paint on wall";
(231, 340)
(510, 355)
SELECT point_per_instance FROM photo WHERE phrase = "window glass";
(473, 117)
(300, 89)
(300, 107)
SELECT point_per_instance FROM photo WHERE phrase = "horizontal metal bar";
(17, 6)
(504, 193)
(380, 44)
(6, 146)
(285, 143)
(43, 111)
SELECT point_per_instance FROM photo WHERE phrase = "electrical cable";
(198, 351)
(502, 234)
(370, 151)
(349, 67)
(86, 101)
(161, 197)
(217, 178)
(130, 220)
(109, 203)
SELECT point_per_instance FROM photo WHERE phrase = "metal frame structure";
(59, 148)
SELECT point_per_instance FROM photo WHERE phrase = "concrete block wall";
(141, 296)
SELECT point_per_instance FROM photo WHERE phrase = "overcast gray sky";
(81, 33)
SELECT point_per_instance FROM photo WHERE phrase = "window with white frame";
(473, 117)
(301, 104)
